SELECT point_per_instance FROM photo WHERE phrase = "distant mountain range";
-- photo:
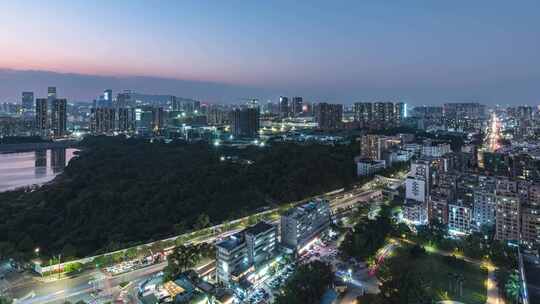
(80, 87)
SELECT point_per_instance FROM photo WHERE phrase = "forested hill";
(125, 191)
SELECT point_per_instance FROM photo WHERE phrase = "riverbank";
(25, 147)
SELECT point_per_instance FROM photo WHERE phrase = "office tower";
(107, 95)
(245, 122)
(363, 112)
(51, 93)
(329, 116)
(126, 120)
(261, 242)
(400, 112)
(238, 255)
(231, 257)
(42, 116)
(157, 120)
(301, 225)
(296, 106)
(102, 120)
(27, 101)
(283, 107)
(59, 117)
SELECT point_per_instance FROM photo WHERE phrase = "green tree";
(69, 251)
(181, 259)
(307, 285)
(5, 300)
(402, 282)
(512, 287)
(131, 253)
(203, 221)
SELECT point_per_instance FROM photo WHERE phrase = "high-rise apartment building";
(383, 112)
(373, 146)
(439, 200)
(417, 186)
(329, 116)
(102, 120)
(530, 217)
(59, 117)
(507, 217)
(464, 110)
(460, 217)
(125, 99)
(217, 115)
(158, 119)
(400, 112)
(363, 112)
(284, 107)
(530, 225)
(42, 116)
(484, 207)
(418, 181)
(126, 119)
(245, 122)
(296, 106)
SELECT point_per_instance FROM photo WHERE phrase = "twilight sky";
(345, 51)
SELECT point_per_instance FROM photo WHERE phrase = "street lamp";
(36, 251)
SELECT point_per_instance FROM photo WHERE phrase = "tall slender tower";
(42, 117)
(59, 117)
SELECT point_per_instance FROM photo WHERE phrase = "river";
(32, 168)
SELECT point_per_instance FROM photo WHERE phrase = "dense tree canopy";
(120, 192)
(307, 285)
(368, 236)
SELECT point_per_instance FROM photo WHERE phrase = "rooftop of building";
(305, 208)
(370, 161)
(259, 228)
(232, 241)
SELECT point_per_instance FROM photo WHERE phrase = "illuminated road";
(493, 134)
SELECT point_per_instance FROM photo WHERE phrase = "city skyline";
(420, 53)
